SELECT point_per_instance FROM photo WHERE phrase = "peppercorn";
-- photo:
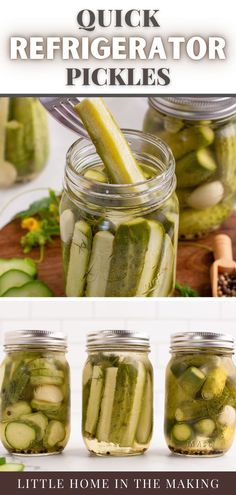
(226, 285)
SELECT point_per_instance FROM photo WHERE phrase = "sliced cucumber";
(144, 429)
(94, 401)
(13, 278)
(20, 435)
(67, 224)
(96, 175)
(104, 423)
(55, 433)
(11, 467)
(129, 433)
(109, 141)
(79, 259)
(130, 246)
(16, 410)
(165, 275)
(48, 393)
(47, 407)
(182, 433)
(46, 380)
(99, 264)
(42, 363)
(48, 372)
(152, 258)
(39, 419)
(26, 265)
(35, 288)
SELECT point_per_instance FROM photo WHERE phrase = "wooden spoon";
(8, 172)
(224, 263)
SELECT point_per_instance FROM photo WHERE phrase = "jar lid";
(187, 340)
(34, 338)
(117, 338)
(195, 107)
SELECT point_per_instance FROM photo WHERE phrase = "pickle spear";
(79, 259)
(109, 141)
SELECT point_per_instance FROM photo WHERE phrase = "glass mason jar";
(117, 393)
(201, 131)
(24, 134)
(35, 393)
(200, 405)
(119, 240)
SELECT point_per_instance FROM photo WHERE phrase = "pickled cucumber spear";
(110, 142)
(7, 170)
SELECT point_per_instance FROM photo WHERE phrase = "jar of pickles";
(117, 393)
(35, 393)
(200, 404)
(201, 131)
(119, 240)
(23, 139)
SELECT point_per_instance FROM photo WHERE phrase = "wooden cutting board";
(193, 264)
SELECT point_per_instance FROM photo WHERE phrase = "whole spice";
(227, 285)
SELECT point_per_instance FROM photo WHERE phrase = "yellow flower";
(30, 224)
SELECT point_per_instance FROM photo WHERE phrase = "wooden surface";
(193, 262)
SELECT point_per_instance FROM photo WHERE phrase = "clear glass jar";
(117, 394)
(24, 135)
(200, 402)
(35, 393)
(201, 131)
(120, 240)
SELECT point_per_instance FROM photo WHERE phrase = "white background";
(157, 318)
(177, 18)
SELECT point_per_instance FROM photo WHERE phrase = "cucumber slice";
(48, 372)
(20, 435)
(79, 259)
(152, 258)
(96, 176)
(11, 467)
(191, 381)
(165, 276)
(94, 401)
(132, 423)
(46, 380)
(35, 288)
(42, 363)
(46, 407)
(13, 278)
(48, 393)
(16, 411)
(205, 427)
(55, 433)
(109, 141)
(99, 265)
(104, 422)
(39, 419)
(130, 246)
(181, 433)
(195, 168)
(144, 429)
(26, 265)
(67, 224)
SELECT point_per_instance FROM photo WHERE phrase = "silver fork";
(62, 109)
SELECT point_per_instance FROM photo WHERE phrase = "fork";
(62, 109)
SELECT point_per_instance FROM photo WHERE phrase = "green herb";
(41, 220)
(2, 461)
(185, 291)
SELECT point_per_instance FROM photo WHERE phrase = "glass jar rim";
(195, 107)
(104, 192)
(201, 340)
(34, 339)
(117, 339)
